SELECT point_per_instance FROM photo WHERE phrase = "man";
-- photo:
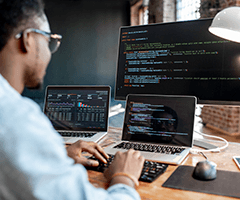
(34, 163)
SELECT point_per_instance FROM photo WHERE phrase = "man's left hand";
(75, 152)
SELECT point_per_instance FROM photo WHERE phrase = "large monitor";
(179, 58)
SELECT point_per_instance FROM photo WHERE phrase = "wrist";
(126, 176)
(122, 179)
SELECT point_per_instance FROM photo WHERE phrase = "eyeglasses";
(54, 39)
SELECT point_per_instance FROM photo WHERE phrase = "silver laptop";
(78, 112)
(159, 126)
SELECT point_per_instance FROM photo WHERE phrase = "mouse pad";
(226, 184)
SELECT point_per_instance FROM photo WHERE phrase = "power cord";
(203, 155)
(218, 149)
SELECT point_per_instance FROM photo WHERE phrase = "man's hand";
(75, 152)
(130, 162)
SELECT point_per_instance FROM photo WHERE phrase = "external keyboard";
(150, 171)
(150, 148)
(77, 134)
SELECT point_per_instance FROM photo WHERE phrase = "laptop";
(159, 126)
(78, 112)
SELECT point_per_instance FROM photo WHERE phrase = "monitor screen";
(77, 107)
(178, 58)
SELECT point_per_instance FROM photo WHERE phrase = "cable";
(203, 155)
(218, 149)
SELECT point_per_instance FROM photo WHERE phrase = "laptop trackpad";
(147, 155)
(66, 139)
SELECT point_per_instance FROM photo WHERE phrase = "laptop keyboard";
(76, 134)
(150, 171)
(150, 148)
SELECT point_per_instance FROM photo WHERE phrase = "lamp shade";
(226, 24)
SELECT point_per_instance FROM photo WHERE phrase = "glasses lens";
(54, 43)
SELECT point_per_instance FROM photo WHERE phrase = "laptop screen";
(159, 119)
(80, 108)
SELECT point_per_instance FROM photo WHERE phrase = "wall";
(155, 11)
(162, 11)
(222, 118)
(88, 52)
(169, 7)
(209, 8)
(135, 12)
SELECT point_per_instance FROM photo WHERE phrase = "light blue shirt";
(33, 160)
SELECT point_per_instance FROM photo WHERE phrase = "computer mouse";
(205, 170)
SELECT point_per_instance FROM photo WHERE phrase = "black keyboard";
(150, 171)
(150, 148)
(76, 134)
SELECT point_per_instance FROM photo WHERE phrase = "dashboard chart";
(77, 108)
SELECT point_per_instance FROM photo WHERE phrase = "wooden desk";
(154, 190)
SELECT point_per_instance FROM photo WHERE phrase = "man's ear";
(27, 41)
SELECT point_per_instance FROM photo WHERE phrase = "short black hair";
(16, 13)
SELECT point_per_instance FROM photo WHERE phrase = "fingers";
(138, 155)
(130, 162)
(75, 151)
(86, 162)
(95, 149)
(100, 149)
(99, 153)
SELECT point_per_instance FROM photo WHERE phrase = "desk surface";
(154, 190)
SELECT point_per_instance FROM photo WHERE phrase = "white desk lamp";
(226, 24)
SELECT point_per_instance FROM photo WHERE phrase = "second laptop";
(78, 112)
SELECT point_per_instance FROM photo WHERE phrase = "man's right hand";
(130, 162)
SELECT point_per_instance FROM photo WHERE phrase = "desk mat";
(226, 184)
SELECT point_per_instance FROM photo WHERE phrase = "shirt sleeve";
(34, 162)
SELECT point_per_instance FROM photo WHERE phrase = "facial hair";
(38, 87)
